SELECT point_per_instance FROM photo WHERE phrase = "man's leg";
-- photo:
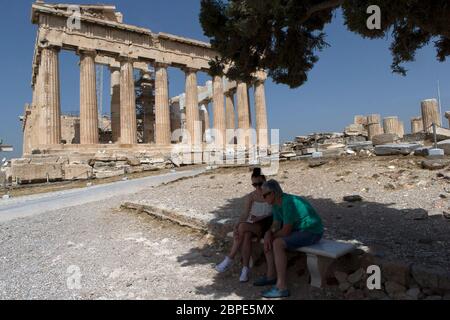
(271, 271)
(279, 250)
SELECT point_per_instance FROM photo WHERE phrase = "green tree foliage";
(284, 36)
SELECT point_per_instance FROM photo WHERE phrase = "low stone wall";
(51, 168)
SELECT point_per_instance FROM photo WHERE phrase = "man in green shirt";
(295, 224)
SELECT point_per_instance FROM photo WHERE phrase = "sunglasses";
(265, 195)
(259, 184)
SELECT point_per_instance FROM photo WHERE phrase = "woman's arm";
(247, 207)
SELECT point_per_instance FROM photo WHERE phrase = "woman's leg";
(247, 249)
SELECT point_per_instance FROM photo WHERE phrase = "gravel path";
(96, 251)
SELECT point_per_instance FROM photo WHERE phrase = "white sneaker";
(224, 265)
(244, 275)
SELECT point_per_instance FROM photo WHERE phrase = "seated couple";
(287, 222)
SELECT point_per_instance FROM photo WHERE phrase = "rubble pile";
(51, 168)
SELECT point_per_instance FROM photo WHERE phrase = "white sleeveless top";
(261, 209)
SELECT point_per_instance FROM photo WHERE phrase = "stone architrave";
(162, 110)
(128, 122)
(88, 98)
(49, 103)
(115, 104)
(430, 114)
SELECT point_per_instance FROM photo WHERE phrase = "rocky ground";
(96, 251)
(401, 215)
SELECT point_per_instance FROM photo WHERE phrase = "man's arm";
(283, 232)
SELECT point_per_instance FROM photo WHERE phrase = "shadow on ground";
(406, 235)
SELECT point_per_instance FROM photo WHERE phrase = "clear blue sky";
(352, 77)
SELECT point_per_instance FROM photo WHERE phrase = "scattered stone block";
(354, 198)
(356, 277)
(31, 173)
(314, 163)
(382, 139)
(444, 145)
(102, 174)
(434, 164)
(395, 149)
(78, 172)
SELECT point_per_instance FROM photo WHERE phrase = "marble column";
(192, 109)
(115, 104)
(147, 105)
(204, 117)
(430, 114)
(162, 111)
(88, 98)
(261, 113)
(391, 125)
(219, 110)
(243, 113)
(374, 125)
(128, 122)
(230, 114)
(401, 129)
(416, 125)
(50, 103)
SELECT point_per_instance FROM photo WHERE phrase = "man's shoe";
(275, 293)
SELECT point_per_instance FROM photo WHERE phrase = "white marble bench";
(320, 256)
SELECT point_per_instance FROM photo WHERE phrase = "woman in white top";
(255, 220)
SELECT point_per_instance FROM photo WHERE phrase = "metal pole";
(435, 136)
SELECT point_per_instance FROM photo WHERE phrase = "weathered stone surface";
(133, 161)
(104, 157)
(394, 289)
(385, 139)
(341, 277)
(444, 145)
(76, 158)
(2, 178)
(355, 130)
(134, 169)
(395, 149)
(314, 163)
(414, 293)
(20, 161)
(426, 277)
(422, 152)
(434, 164)
(44, 159)
(356, 276)
(78, 172)
(37, 172)
(353, 198)
(109, 173)
(359, 146)
(101, 164)
(397, 272)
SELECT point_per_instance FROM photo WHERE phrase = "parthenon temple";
(101, 38)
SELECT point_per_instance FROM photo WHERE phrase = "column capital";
(261, 76)
(188, 69)
(158, 64)
(86, 52)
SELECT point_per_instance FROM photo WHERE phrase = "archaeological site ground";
(141, 202)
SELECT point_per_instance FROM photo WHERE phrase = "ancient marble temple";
(97, 34)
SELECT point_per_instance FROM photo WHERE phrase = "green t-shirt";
(298, 212)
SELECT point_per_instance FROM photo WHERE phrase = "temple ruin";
(102, 38)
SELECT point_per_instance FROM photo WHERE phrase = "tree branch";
(320, 7)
